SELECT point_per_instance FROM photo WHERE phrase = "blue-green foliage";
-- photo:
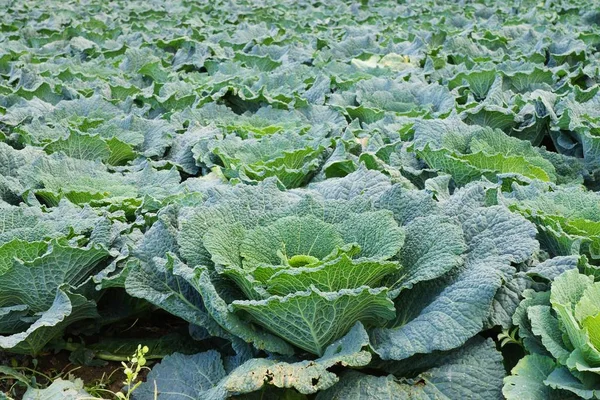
(342, 200)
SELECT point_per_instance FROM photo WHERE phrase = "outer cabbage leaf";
(439, 315)
(561, 334)
(59, 390)
(41, 286)
(29, 282)
(473, 371)
(66, 309)
(527, 380)
(209, 378)
(159, 283)
(461, 300)
(568, 217)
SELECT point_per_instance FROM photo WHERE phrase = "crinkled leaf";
(474, 371)
(313, 319)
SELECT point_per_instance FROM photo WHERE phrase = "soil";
(56, 364)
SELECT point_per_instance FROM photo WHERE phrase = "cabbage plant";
(561, 331)
(308, 270)
(349, 272)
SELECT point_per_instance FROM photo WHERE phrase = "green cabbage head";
(308, 268)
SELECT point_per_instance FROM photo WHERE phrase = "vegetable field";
(299, 200)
